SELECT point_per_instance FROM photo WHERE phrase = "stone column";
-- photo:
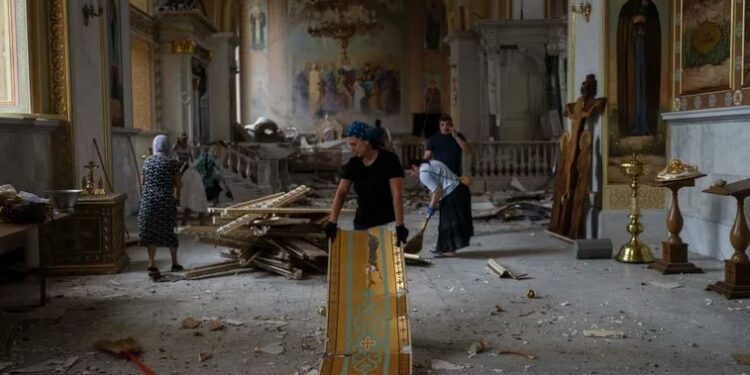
(246, 81)
(465, 87)
(176, 90)
(221, 85)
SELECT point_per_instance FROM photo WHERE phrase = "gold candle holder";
(634, 251)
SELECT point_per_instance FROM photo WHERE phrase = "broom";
(127, 348)
(414, 245)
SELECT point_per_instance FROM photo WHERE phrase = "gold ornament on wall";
(584, 9)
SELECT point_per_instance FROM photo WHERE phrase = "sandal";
(177, 268)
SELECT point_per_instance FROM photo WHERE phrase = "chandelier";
(341, 20)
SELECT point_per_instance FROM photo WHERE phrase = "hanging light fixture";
(341, 20)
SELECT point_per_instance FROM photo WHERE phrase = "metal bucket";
(64, 200)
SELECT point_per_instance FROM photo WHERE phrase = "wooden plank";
(309, 251)
(288, 210)
(281, 221)
(280, 201)
(246, 203)
(295, 274)
(225, 273)
(207, 270)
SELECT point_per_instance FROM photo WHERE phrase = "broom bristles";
(118, 347)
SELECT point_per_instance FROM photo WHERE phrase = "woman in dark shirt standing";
(378, 180)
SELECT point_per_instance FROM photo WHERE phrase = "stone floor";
(685, 330)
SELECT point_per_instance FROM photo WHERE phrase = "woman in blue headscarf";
(158, 211)
(378, 178)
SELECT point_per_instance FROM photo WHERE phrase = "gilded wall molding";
(59, 47)
(142, 23)
(189, 47)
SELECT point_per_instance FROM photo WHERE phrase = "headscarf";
(364, 132)
(160, 145)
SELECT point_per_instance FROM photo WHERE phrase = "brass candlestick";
(634, 251)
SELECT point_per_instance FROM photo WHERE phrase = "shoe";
(152, 269)
(177, 268)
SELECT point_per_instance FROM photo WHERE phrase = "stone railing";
(239, 164)
(494, 164)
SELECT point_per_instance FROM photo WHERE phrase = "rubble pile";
(263, 234)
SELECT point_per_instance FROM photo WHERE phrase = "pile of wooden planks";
(262, 234)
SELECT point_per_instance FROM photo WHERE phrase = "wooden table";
(91, 240)
(13, 236)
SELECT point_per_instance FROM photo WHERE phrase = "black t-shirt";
(372, 185)
(445, 149)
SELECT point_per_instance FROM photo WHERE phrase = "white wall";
(716, 141)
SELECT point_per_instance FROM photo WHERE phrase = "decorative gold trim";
(142, 23)
(106, 94)
(182, 46)
(59, 47)
(189, 47)
(732, 52)
(35, 78)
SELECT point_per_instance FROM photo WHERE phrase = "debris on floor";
(56, 365)
(215, 325)
(439, 364)
(273, 349)
(503, 272)
(263, 234)
(476, 348)
(604, 333)
(669, 285)
(497, 310)
(741, 358)
(190, 323)
(530, 294)
(204, 356)
(530, 357)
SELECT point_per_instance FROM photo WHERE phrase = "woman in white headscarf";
(158, 211)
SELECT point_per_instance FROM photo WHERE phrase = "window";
(14, 57)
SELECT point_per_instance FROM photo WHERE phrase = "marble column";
(246, 74)
(221, 86)
(465, 88)
(176, 92)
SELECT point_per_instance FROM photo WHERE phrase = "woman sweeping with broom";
(453, 199)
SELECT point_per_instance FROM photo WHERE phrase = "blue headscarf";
(361, 130)
(160, 145)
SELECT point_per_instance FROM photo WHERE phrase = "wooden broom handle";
(133, 358)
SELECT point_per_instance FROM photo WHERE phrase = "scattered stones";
(190, 323)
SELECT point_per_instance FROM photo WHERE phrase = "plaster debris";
(49, 365)
(274, 349)
(190, 323)
(204, 356)
(215, 325)
(671, 285)
(476, 348)
(604, 333)
(439, 364)
(233, 322)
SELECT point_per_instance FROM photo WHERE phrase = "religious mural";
(638, 83)
(366, 88)
(706, 45)
(258, 25)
